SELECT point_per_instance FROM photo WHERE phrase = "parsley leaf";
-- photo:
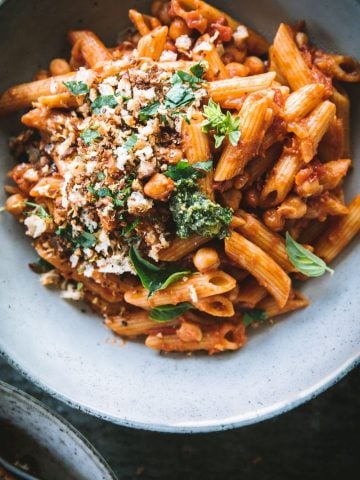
(126, 231)
(149, 111)
(178, 96)
(77, 88)
(101, 176)
(131, 142)
(39, 210)
(254, 315)
(197, 70)
(305, 261)
(221, 124)
(89, 135)
(154, 278)
(165, 313)
(103, 101)
(85, 240)
(184, 170)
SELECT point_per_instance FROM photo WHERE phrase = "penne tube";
(261, 164)
(190, 289)
(289, 59)
(272, 309)
(254, 120)
(317, 123)
(179, 248)
(250, 293)
(281, 178)
(143, 23)
(49, 187)
(302, 101)
(59, 100)
(152, 44)
(233, 88)
(91, 47)
(214, 339)
(342, 103)
(253, 259)
(216, 305)
(136, 323)
(197, 149)
(274, 67)
(312, 231)
(339, 233)
(273, 244)
(205, 49)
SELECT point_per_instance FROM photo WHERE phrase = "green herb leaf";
(104, 192)
(103, 101)
(79, 286)
(178, 96)
(154, 278)
(183, 170)
(85, 240)
(101, 176)
(165, 313)
(254, 315)
(89, 135)
(305, 261)
(125, 231)
(197, 70)
(149, 111)
(221, 124)
(77, 88)
(39, 210)
(41, 266)
(131, 142)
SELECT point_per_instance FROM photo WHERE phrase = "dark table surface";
(319, 440)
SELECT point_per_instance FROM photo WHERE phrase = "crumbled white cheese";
(193, 295)
(203, 47)
(31, 175)
(124, 87)
(90, 166)
(118, 264)
(53, 85)
(150, 128)
(146, 167)
(183, 42)
(113, 81)
(122, 157)
(240, 35)
(72, 293)
(89, 223)
(50, 278)
(35, 226)
(84, 75)
(105, 89)
(168, 56)
(137, 203)
(143, 95)
(145, 153)
(74, 260)
(62, 147)
(103, 243)
(88, 270)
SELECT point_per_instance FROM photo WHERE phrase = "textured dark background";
(319, 440)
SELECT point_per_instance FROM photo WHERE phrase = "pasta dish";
(186, 180)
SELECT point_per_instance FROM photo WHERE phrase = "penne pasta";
(135, 324)
(152, 44)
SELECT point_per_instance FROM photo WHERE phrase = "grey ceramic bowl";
(31, 434)
(68, 353)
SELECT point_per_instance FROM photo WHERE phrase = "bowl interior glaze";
(73, 356)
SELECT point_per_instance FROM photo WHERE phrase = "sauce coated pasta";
(181, 180)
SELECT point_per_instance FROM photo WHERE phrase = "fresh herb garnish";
(39, 210)
(77, 88)
(183, 77)
(165, 313)
(89, 135)
(100, 192)
(149, 111)
(84, 240)
(305, 261)
(131, 142)
(126, 231)
(101, 176)
(183, 169)
(103, 101)
(254, 315)
(197, 70)
(222, 124)
(178, 96)
(41, 266)
(79, 286)
(154, 278)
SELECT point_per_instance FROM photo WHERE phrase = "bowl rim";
(54, 417)
(237, 421)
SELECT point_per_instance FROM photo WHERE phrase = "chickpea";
(255, 65)
(177, 28)
(15, 204)
(206, 259)
(59, 66)
(174, 156)
(233, 54)
(159, 187)
(236, 69)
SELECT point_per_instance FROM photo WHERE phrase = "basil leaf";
(41, 266)
(77, 88)
(178, 96)
(254, 315)
(305, 261)
(149, 111)
(131, 142)
(184, 170)
(197, 70)
(154, 278)
(103, 101)
(165, 313)
(89, 135)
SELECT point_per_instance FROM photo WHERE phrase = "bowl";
(74, 357)
(31, 434)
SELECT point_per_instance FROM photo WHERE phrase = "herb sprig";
(164, 313)
(254, 315)
(77, 88)
(221, 124)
